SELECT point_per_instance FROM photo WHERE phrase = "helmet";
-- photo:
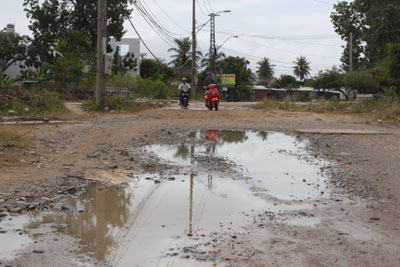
(183, 79)
(209, 73)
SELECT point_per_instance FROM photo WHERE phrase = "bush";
(118, 103)
(37, 101)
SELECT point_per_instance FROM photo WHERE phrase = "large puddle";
(148, 221)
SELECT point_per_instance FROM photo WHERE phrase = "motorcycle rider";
(183, 87)
(207, 81)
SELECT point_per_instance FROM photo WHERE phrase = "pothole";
(215, 181)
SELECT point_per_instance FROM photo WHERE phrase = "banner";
(227, 79)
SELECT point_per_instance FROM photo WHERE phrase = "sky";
(281, 30)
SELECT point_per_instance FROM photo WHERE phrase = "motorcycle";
(211, 98)
(184, 99)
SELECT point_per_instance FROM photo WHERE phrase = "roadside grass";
(31, 103)
(385, 109)
(121, 104)
(13, 142)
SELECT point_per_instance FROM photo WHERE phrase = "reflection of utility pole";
(194, 74)
(101, 34)
(210, 178)
(191, 206)
(351, 53)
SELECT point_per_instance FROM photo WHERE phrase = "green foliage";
(237, 66)
(374, 24)
(153, 69)
(37, 101)
(148, 88)
(205, 60)
(154, 89)
(123, 64)
(301, 68)
(5, 81)
(182, 57)
(286, 81)
(329, 79)
(265, 70)
(121, 81)
(362, 81)
(118, 103)
(50, 19)
(392, 63)
(13, 49)
(300, 97)
(74, 55)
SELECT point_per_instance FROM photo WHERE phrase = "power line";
(285, 51)
(142, 40)
(153, 25)
(166, 14)
(201, 9)
(208, 1)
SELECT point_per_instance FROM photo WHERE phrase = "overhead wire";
(167, 39)
(201, 9)
(140, 37)
(171, 19)
(208, 1)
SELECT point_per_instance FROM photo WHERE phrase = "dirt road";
(350, 217)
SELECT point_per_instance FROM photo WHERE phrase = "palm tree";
(301, 68)
(205, 61)
(183, 53)
(265, 70)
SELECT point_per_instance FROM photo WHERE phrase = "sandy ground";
(360, 222)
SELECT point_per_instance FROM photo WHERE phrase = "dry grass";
(14, 141)
(384, 109)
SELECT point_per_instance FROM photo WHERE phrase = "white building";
(14, 70)
(131, 45)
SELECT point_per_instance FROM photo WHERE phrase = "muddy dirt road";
(170, 187)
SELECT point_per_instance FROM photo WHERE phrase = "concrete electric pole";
(194, 72)
(101, 35)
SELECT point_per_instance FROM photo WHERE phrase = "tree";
(360, 81)
(392, 63)
(347, 20)
(301, 68)
(265, 69)
(286, 81)
(346, 84)
(123, 64)
(13, 49)
(50, 19)
(374, 24)
(74, 54)
(182, 57)
(151, 68)
(239, 67)
(5, 81)
(205, 61)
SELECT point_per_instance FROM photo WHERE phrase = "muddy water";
(154, 219)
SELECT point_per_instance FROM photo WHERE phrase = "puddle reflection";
(138, 223)
(96, 215)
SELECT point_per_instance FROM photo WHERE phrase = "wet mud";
(207, 190)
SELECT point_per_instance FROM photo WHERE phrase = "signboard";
(227, 79)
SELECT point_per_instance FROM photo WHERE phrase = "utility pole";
(212, 52)
(101, 34)
(351, 53)
(194, 73)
